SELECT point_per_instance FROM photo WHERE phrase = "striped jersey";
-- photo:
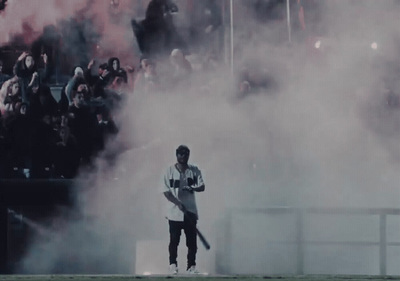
(174, 181)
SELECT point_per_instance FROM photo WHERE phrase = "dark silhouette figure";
(156, 34)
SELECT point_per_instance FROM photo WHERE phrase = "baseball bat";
(203, 239)
(199, 234)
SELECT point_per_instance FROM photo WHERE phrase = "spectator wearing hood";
(116, 71)
(26, 70)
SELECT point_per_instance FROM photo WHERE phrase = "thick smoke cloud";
(80, 25)
(323, 136)
(36, 14)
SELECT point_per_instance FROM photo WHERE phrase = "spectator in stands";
(116, 71)
(66, 92)
(244, 89)
(82, 87)
(147, 79)
(115, 94)
(117, 85)
(4, 150)
(97, 82)
(66, 155)
(11, 95)
(42, 101)
(83, 122)
(3, 77)
(78, 73)
(181, 64)
(140, 72)
(107, 128)
(156, 34)
(182, 67)
(44, 139)
(206, 19)
(25, 67)
(20, 136)
(107, 132)
(28, 91)
(47, 44)
(27, 71)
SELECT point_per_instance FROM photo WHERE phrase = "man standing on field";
(181, 181)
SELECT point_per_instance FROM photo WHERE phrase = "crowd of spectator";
(42, 136)
(45, 137)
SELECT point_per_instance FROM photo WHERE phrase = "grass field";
(197, 277)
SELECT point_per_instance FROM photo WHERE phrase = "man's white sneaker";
(173, 269)
(192, 270)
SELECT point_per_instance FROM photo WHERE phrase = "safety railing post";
(382, 244)
(300, 242)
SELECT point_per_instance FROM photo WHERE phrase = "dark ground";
(188, 278)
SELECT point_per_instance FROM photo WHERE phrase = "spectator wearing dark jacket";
(99, 81)
(20, 136)
(115, 69)
(107, 129)
(83, 122)
(66, 155)
(44, 139)
(4, 150)
(26, 70)
(42, 101)
(66, 91)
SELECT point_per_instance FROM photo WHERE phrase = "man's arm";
(170, 197)
(201, 188)
(194, 188)
(199, 185)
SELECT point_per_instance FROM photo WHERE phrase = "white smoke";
(322, 137)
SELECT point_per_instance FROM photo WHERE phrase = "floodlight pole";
(288, 20)
(231, 33)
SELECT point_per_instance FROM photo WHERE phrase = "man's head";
(177, 56)
(78, 71)
(182, 154)
(81, 87)
(150, 68)
(14, 88)
(113, 64)
(78, 99)
(102, 67)
(143, 63)
(29, 62)
(244, 87)
(78, 96)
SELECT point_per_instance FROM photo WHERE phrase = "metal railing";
(300, 240)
